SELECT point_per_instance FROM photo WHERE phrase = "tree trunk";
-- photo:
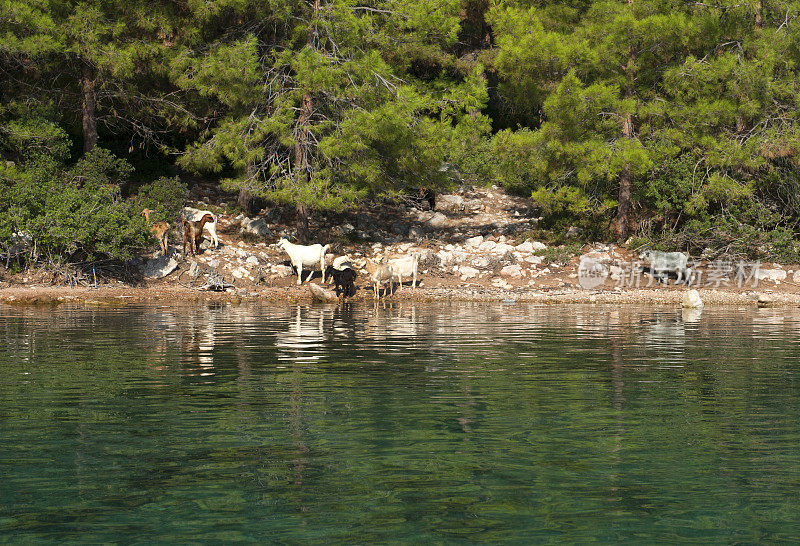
(759, 13)
(625, 179)
(302, 224)
(88, 107)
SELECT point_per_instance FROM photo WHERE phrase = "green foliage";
(559, 254)
(70, 214)
(322, 104)
(164, 196)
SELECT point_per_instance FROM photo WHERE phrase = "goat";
(663, 263)
(379, 273)
(192, 214)
(160, 231)
(344, 279)
(405, 267)
(301, 255)
(192, 232)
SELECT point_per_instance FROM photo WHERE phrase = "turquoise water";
(431, 423)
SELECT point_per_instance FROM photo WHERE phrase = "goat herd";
(342, 272)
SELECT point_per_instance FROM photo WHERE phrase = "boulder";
(160, 267)
(467, 272)
(450, 203)
(321, 294)
(283, 270)
(538, 246)
(513, 271)
(774, 275)
(487, 246)
(251, 260)
(527, 246)
(474, 242)
(691, 300)
(255, 226)
(439, 220)
(598, 257)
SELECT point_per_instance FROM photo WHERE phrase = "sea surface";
(399, 423)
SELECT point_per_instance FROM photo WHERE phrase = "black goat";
(344, 280)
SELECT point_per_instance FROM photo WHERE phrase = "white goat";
(301, 255)
(193, 214)
(405, 267)
(379, 273)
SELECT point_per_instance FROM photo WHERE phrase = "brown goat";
(192, 232)
(159, 231)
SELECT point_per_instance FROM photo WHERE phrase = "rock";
(160, 267)
(474, 205)
(283, 270)
(321, 294)
(616, 272)
(252, 260)
(450, 203)
(691, 300)
(439, 220)
(502, 249)
(598, 257)
(764, 300)
(527, 246)
(474, 242)
(416, 233)
(538, 246)
(468, 272)
(774, 275)
(691, 315)
(796, 276)
(536, 260)
(501, 283)
(255, 226)
(481, 262)
(514, 271)
(194, 270)
(487, 246)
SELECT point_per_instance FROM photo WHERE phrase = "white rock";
(468, 272)
(487, 245)
(474, 241)
(283, 270)
(439, 220)
(599, 257)
(514, 271)
(481, 261)
(255, 226)
(527, 246)
(160, 267)
(770, 275)
(502, 248)
(252, 260)
(534, 259)
(449, 202)
(538, 246)
(691, 300)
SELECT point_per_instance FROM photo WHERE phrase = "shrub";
(74, 214)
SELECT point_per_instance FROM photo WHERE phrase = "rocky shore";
(476, 245)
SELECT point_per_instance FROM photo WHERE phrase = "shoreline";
(124, 295)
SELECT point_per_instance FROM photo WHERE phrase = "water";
(431, 423)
